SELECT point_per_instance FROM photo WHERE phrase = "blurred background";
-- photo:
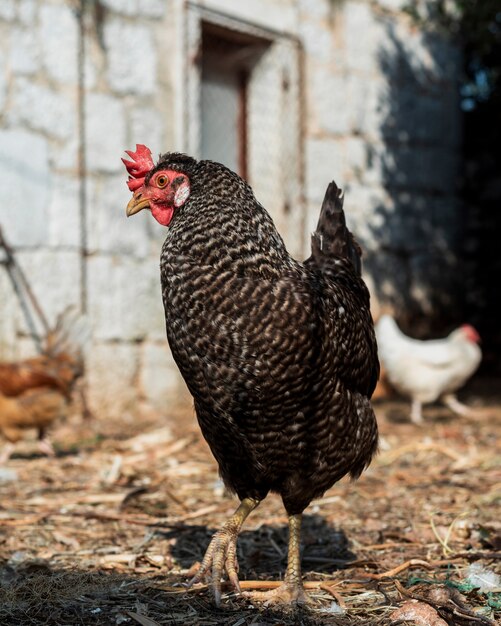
(398, 101)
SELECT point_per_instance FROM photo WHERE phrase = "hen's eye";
(162, 180)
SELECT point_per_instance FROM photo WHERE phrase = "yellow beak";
(138, 203)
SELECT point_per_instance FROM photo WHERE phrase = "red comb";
(140, 165)
(471, 333)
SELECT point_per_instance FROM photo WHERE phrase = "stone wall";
(384, 119)
(380, 116)
(91, 255)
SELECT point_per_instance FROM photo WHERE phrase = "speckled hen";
(280, 356)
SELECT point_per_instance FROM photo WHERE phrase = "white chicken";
(426, 371)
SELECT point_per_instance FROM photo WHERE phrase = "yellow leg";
(291, 591)
(221, 555)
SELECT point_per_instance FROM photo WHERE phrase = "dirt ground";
(105, 533)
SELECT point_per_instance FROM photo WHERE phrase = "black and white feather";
(280, 356)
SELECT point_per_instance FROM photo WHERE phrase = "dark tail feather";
(332, 237)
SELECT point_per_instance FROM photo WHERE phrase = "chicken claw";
(221, 555)
(6, 452)
(45, 446)
(231, 565)
(450, 400)
(417, 413)
(289, 592)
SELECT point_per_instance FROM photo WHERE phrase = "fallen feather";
(333, 608)
(485, 580)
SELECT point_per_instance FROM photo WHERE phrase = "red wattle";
(163, 215)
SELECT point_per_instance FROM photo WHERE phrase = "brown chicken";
(35, 392)
(280, 356)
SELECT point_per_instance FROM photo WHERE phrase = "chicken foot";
(451, 401)
(44, 445)
(221, 555)
(291, 591)
(416, 412)
(7, 450)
